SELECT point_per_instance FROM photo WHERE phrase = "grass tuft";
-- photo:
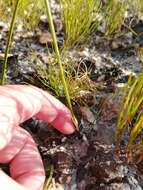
(138, 5)
(130, 115)
(114, 14)
(77, 81)
(79, 18)
(29, 11)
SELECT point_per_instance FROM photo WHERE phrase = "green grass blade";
(131, 108)
(136, 130)
(48, 181)
(4, 66)
(61, 71)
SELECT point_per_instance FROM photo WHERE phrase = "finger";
(20, 102)
(17, 104)
(26, 166)
(8, 183)
(58, 115)
(16, 144)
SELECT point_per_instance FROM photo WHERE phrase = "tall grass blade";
(4, 66)
(131, 115)
(61, 71)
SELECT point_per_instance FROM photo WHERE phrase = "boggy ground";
(86, 160)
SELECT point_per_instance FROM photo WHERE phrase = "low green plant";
(131, 115)
(29, 11)
(114, 14)
(17, 9)
(32, 10)
(140, 5)
(47, 76)
(79, 19)
(77, 81)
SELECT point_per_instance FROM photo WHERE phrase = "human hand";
(17, 104)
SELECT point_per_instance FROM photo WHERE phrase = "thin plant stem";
(48, 181)
(61, 71)
(4, 66)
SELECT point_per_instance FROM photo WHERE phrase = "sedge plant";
(32, 10)
(130, 118)
(114, 14)
(79, 19)
(29, 11)
(77, 80)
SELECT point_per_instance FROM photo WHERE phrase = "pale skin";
(17, 104)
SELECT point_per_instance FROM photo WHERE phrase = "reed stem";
(61, 71)
(4, 66)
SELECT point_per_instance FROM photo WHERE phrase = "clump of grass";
(5, 8)
(17, 5)
(77, 81)
(131, 115)
(114, 12)
(29, 11)
(79, 18)
(138, 5)
(32, 10)
(48, 75)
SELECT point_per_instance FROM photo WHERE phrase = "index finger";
(20, 102)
